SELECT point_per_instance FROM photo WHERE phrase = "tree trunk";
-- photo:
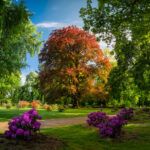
(75, 101)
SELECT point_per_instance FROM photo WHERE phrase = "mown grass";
(6, 114)
(80, 137)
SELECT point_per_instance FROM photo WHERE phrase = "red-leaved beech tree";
(72, 64)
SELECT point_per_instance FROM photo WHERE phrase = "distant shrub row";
(37, 104)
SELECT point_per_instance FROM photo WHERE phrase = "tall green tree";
(18, 36)
(30, 90)
(127, 24)
(8, 85)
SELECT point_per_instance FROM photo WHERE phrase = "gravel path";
(51, 123)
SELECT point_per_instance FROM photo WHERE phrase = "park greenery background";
(78, 74)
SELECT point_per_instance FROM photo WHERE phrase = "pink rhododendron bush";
(24, 126)
(22, 134)
(110, 126)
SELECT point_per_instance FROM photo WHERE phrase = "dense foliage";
(24, 126)
(18, 36)
(72, 64)
(8, 84)
(29, 90)
(125, 24)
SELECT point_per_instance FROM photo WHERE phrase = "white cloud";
(51, 25)
(58, 24)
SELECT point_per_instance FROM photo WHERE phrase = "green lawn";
(6, 114)
(81, 137)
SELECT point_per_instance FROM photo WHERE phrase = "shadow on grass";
(40, 142)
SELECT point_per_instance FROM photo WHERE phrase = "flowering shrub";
(24, 126)
(47, 107)
(23, 104)
(126, 113)
(112, 127)
(54, 107)
(95, 118)
(35, 104)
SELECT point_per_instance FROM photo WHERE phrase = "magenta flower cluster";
(126, 113)
(110, 126)
(24, 126)
(95, 118)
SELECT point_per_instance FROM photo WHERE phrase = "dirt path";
(63, 122)
(3, 126)
(51, 123)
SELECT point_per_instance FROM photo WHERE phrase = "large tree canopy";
(127, 23)
(18, 36)
(72, 64)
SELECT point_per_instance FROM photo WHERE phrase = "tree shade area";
(85, 86)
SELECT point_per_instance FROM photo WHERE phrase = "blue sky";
(49, 15)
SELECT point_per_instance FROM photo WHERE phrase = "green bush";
(61, 108)
(54, 107)
(8, 106)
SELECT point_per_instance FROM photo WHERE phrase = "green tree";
(18, 36)
(127, 24)
(30, 90)
(8, 84)
(111, 56)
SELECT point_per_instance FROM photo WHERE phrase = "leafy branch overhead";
(127, 24)
(18, 36)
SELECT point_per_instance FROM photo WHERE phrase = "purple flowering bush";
(95, 118)
(24, 126)
(112, 128)
(126, 113)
